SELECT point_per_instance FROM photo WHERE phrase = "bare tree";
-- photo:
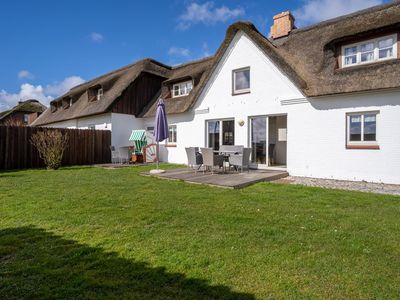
(50, 145)
(13, 122)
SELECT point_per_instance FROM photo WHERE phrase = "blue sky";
(50, 46)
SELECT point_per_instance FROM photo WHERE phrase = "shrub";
(50, 145)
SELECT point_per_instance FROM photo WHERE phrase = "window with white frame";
(241, 80)
(370, 51)
(182, 88)
(172, 134)
(362, 128)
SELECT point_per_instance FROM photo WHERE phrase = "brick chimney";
(283, 25)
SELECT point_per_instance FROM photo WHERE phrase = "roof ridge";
(195, 61)
(140, 61)
(346, 16)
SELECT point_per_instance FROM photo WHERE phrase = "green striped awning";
(138, 135)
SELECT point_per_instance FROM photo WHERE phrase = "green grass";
(97, 233)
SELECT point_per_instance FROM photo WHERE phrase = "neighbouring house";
(321, 101)
(115, 101)
(24, 113)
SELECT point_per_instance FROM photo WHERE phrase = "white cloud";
(96, 37)
(314, 11)
(59, 88)
(175, 51)
(43, 94)
(27, 91)
(25, 74)
(207, 14)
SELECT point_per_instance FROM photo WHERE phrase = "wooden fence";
(84, 147)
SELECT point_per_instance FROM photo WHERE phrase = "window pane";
(386, 53)
(367, 47)
(213, 134)
(228, 132)
(350, 51)
(350, 60)
(387, 43)
(368, 56)
(176, 90)
(242, 80)
(355, 128)
(370, 127)
(189, 86)
(183, 89)
(259, 140)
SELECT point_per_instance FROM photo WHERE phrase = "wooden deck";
(232, 180)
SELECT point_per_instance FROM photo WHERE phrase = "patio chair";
(115, 157)
(241, 160)
(194, 157)
(124, 155)
(210, 160)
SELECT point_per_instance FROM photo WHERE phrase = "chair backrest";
(246, 156)
(208, 156)
(114, 152)
(191, 155)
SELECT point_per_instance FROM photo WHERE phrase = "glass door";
(220, 132)
(259, 141)
(213, 134)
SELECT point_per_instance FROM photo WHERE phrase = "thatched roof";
(195, 71)
(113, 84)
(313, 51)
(308, 56)
(28, 106)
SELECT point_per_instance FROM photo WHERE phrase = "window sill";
(366, 146)
(366, 65)
(170, 145)
(241, 93)
(180, 96)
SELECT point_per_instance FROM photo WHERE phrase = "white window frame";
(220, 127)
(362, 142)
(171, 140)
(183, 89)
(26, 118)
(376, 51)
(241, 91)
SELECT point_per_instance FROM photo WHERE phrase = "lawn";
(110, 233)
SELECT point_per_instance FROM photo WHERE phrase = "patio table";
(226, 154)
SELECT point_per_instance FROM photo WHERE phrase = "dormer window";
(369, 51)
(67, 102)
(53, 107)
(95, 93)
(182, 89)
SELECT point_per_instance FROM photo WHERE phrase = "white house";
(321, 101)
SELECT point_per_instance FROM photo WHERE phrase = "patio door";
(258, 141)
(220, 132)
(268, 141)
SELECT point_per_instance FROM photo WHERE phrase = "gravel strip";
(362, 186)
